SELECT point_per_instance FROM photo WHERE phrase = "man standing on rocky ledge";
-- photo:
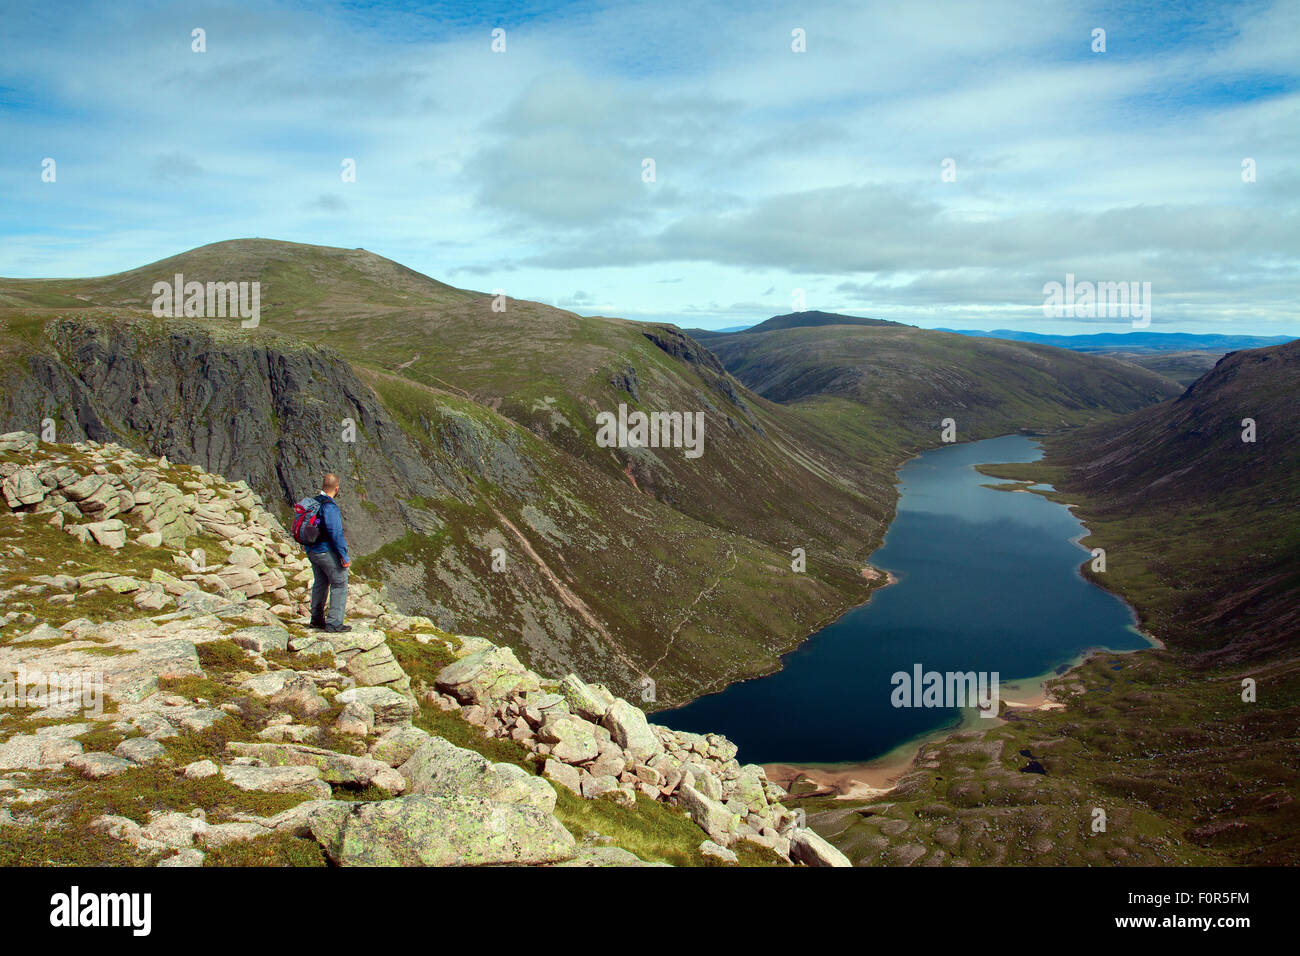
(329, 562)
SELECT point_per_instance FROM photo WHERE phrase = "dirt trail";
(687, 616)
(571, 600)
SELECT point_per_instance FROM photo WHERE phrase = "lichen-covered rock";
(397, 745)
(333, 767)
(17, 441)
(710, 815)
(423, 830)
(572, 739)
(268, 637)
(140, 750)
(277, 779)
(709, 848)
(391, 709)
(607, 856)
(811, 849)
(222, 834)
(589, 701)
(355, 719)
(631, 730)
(110, 533)
(440, 768)
(486, 677)
(96, 766)
(201, 769)
(47, 748)
(22, 488)
(563, 774)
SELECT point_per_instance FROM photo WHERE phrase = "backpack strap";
(324, 529)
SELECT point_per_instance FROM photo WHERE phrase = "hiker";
(318, 524)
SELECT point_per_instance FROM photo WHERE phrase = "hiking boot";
(337, 628)
(317, 624)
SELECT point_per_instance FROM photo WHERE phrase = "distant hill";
(1135, 341)
(1181, 356)
(1183, 367)
(792, 320)
(893, 384)
(813, 319)
(700, 334)
(1222, 515)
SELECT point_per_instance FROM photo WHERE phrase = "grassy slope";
(1202, 534)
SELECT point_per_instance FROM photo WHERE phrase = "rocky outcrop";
(243, 587)
(597, 745)
(311, 715)
(440, 831)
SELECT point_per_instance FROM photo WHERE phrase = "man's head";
(330, 484)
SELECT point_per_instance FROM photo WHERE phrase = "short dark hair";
(330, 482)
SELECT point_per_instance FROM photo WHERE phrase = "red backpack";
(307, 525)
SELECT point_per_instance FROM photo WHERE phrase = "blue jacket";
(333, 539)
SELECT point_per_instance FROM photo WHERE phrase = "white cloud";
(774, 170)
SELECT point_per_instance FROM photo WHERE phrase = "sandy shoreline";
(876, 778)
(873, 574)
(848, 781)
(873, 779)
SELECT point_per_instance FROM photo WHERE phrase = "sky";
(930, 163)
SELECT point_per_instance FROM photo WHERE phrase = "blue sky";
(776, 171)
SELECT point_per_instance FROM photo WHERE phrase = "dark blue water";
(987, 581)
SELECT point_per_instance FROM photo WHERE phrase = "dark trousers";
(328, 577)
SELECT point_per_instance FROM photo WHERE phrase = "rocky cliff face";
(182, 599)
(276, 417)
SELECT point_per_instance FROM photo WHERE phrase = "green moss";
(222, 656)
(421, 661)
(300, 662)
(108, 651)
(101, 737)
(23, 846)
(655, 832)
(197, 688)
(61, 834)
(272, 850)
